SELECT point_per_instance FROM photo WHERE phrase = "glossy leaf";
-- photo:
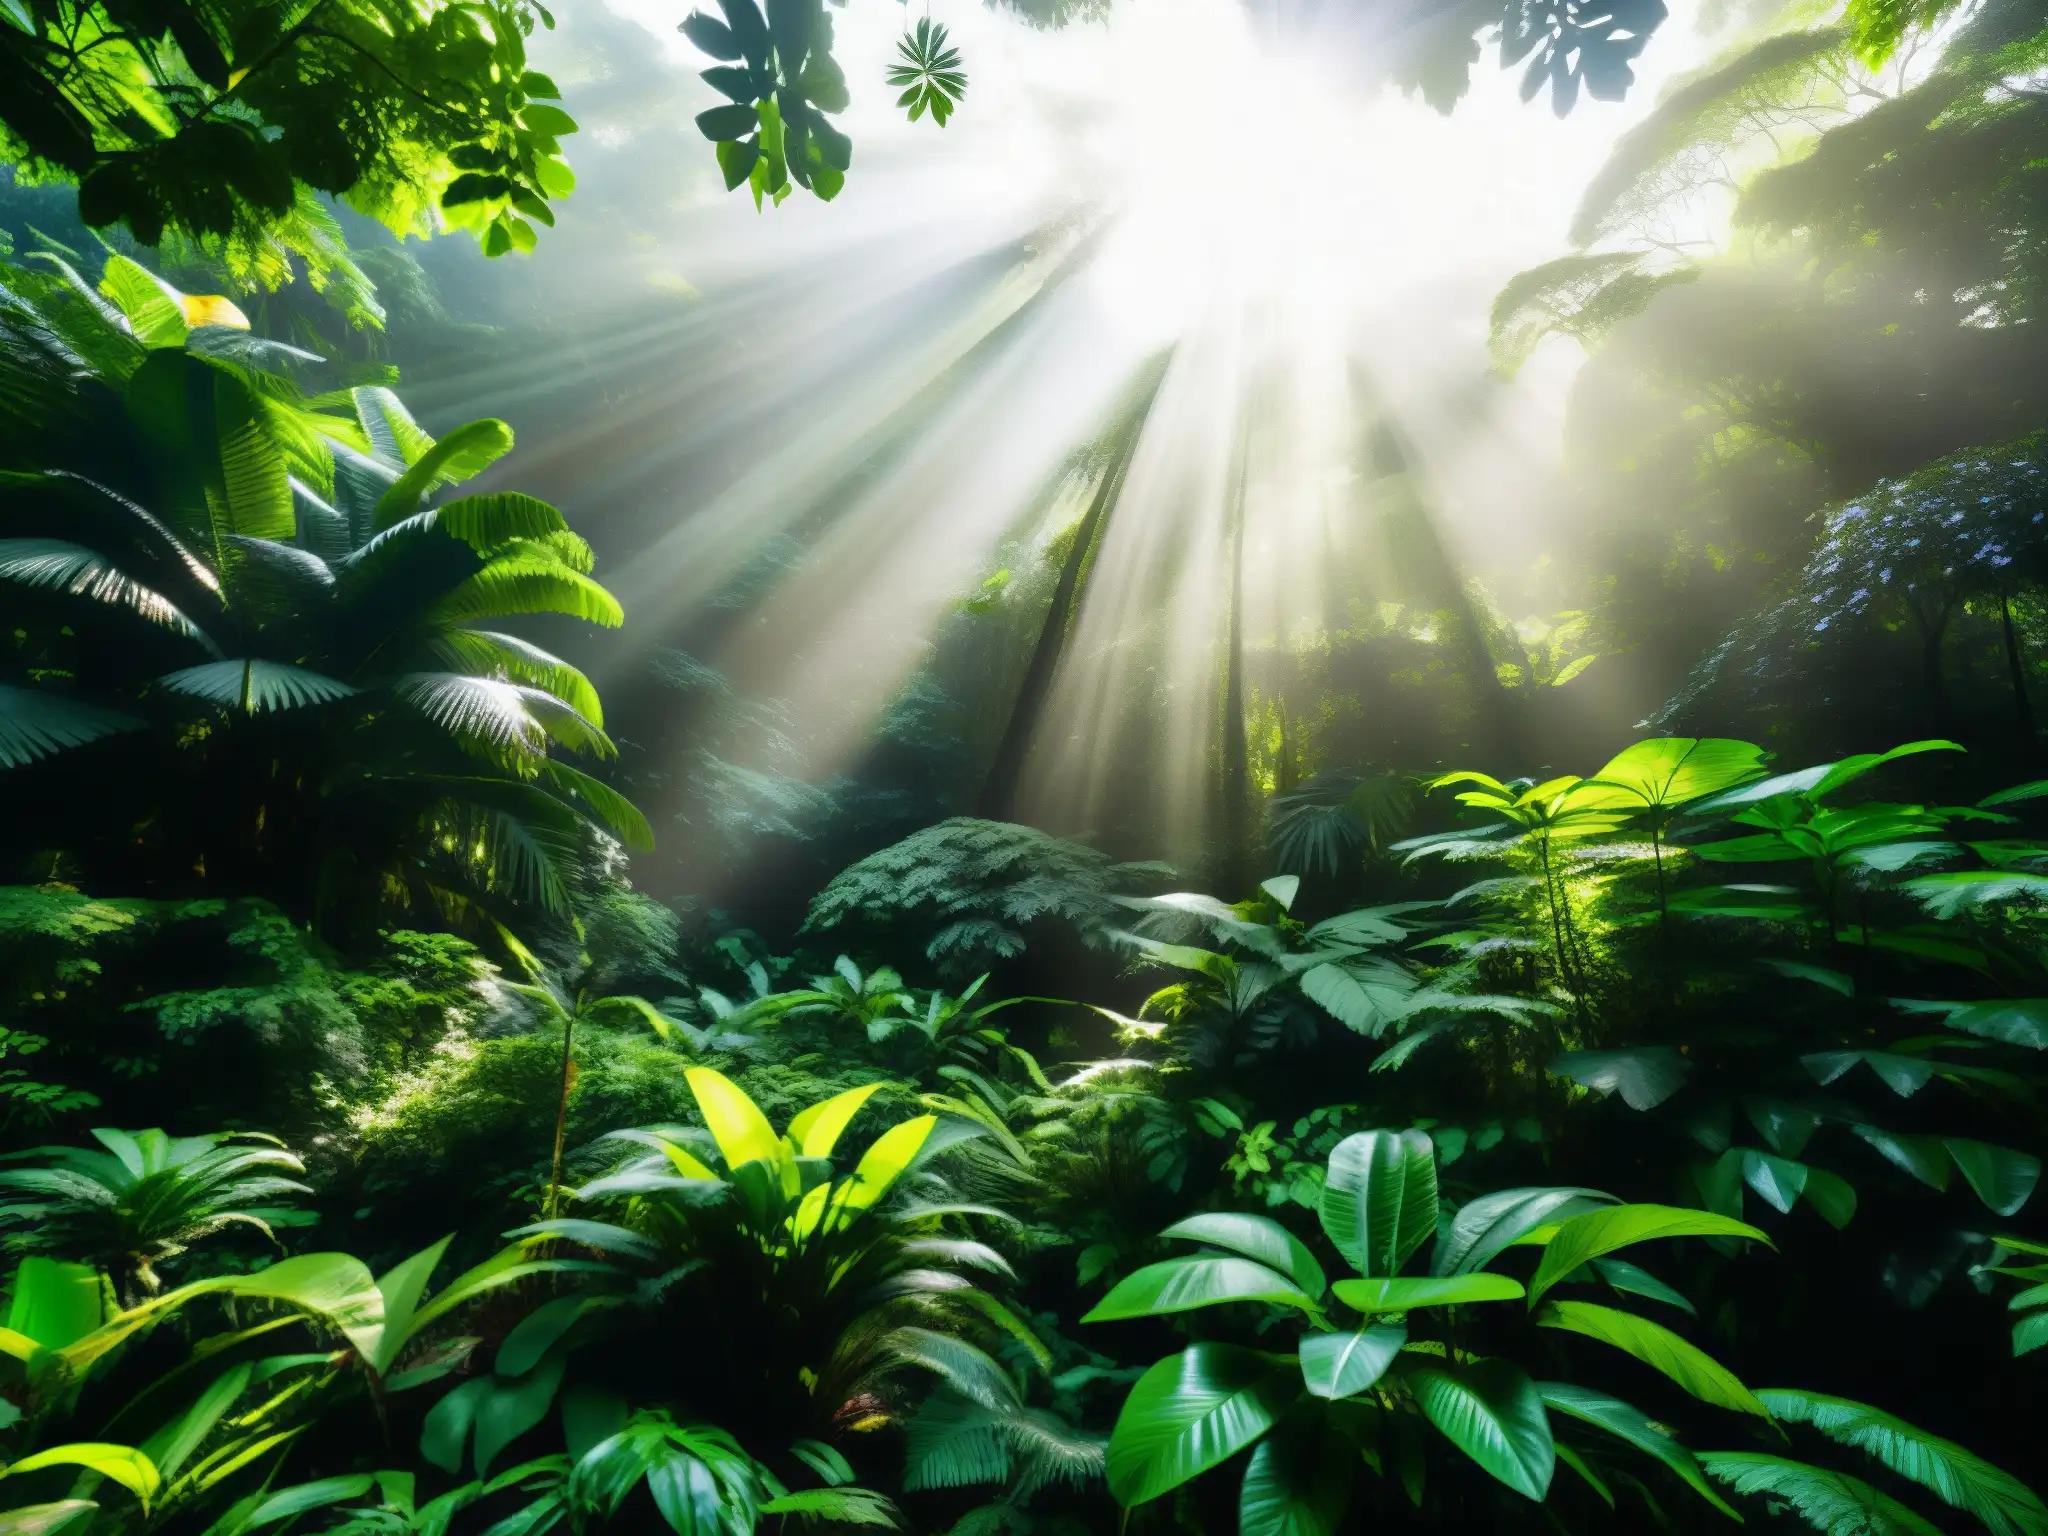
(1379, 1201)
(1197, 1280)
(1256, 1237)
(1629, 1423)
(1603, 1231)
(2003, 1179)
(816, 1130)
(736, 1124)
(1670, 771)
(1404, 1295)
(1491, 1411)
(122, 1464)
(1658, 1347)
(1190, 1412)
(1298, 1482)
(1488, 1226)
(1344, 1364)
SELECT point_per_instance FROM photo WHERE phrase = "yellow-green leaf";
(816, 1130)
(734, 1120)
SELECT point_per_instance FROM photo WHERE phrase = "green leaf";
(1188, 1413)
(1256, 1237)
(466, 452)
(1198, 1280)
(1298, 1482)
(1379, 1199)
(44, 1519)
(55, 1302)
(1645, 1076)
(1603, 1231)
(1667, 772)
(1344, 1364)
(1832, 1502)
(1488, 1226)
(1920, 1156)
(1629, 1423)
(2003, 1179)
(35, 723)
(121, 1464)
(1491, 1411)
(255, 687)
(1956, 1476)
(742, 1132)
(1624, 1276)
(1658, 1347)
(728, 123)
(1438, 1291)
(2015, 1020)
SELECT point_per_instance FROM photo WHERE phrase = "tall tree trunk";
(2023, 710)
(998, 797)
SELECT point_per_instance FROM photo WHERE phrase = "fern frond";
(1832, 1502)
(2006, 1505)
(528, 585)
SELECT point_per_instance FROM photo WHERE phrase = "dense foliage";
(1507, 1123)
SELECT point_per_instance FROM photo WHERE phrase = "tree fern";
(2006, 1505)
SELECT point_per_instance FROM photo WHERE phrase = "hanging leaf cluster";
(930, 73)
(780, 80)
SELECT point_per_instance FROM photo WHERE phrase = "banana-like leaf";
(1484, 1228)
(2005, 1505)
(1256, 1237)
(1337, 1365)
(891, 1155)
(255, 687)
(1191, 1411)
(1658, 1347)
(1196, 1280)
(1491, 1411)
(1379, 1200)
(1833, 1502)
(1298, 1482)
(1406, 1295)
(1603, 1231)
(35, 724)
(1626, 1422)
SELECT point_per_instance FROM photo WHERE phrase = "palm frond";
(59, 566)
(528, 585)
(620, 816)
(255, 687)
(397, 440)
(1833, 1502)
(35, 724)
(503, 721)
(488, 652)
(487, 521)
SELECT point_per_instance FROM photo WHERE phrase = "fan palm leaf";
(255, 687)
(58, 566)
(35, 723)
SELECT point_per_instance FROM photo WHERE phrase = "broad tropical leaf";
(1437, 1291)
(1343, 1364)
(1656, 1346)
(1486, 1227)
(1298, 1482)
(1191, 1411)
(1629, 1423)
(1379, 1200)
(1197, 1280)
(1256, 1237)
(1491, 1411)
(1669, 771)
(1603, 1231)
(2003, 1179)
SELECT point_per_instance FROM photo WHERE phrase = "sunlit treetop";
(218, 120)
